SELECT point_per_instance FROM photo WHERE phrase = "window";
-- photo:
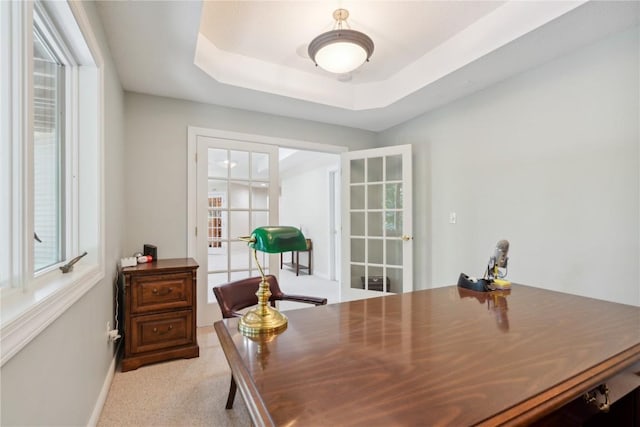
(50, 164)
(48, 153)
(215, 226)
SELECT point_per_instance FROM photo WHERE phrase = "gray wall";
(549, 160)
(56, 379)
(156, 160)
(305, 202)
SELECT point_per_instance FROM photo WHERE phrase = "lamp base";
(262, 321)
(501, 284)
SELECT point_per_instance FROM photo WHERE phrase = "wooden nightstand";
(159, 312)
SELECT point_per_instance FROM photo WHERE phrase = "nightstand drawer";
(157, 331)
(161, 292)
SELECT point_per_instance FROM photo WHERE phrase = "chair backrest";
(241, 294)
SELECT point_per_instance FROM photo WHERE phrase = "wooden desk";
(433, 357)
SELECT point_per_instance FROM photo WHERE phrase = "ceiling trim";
(505, 24)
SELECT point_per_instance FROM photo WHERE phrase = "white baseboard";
(322, 274)
(104, 392)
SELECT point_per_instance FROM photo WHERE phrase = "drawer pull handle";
(167, 291)
(591, 397)
(156, 331)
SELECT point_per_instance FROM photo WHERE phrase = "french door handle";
(406, 237)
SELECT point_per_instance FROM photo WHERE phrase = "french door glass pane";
(393, 196)
(219, 186)
(393, 223)
(357, 223)
(394, 168)
(260, 166)
(374, 196)
(357, 197)
(218, 163)
(48, 146)
(239, 275)
(357, 250)
(238, 224)
(239, 164)
(216, 279)
(375, 254)
(395, 279)
(239, 195)
(259, 219)
(240, 256)
(218, 260)
(357, 276)
(376, 279)
(357, 170)
(260, 197)
(374, 169)
(374, 224)
(394, 252)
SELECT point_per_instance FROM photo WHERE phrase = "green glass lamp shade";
(266, 320)
(276, 239)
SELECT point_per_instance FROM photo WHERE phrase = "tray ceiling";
(252, 54)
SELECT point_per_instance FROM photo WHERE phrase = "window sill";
(25, 314)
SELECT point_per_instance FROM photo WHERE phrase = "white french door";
(377, 243)
(236, 191)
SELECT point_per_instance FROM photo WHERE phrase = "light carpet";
(193, 392)
(184, 392)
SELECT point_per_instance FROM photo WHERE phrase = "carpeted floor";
(193, 392)
(186, 392)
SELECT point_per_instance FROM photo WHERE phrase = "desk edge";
(555, 397)
(255, 405)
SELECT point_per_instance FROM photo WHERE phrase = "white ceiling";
(252, 54)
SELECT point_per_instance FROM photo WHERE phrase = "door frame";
(335, 223)
(193, 132)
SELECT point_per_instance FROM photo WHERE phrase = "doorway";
(307, 200)
(309, 188)
(224, 179)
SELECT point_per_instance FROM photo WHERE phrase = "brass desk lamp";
(263, 319)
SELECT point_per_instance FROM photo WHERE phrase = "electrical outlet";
(112, 334)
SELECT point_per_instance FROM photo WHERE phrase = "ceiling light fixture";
(340, 50)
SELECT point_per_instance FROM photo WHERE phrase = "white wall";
(305, 203)
(156, 160)
(549, 160)
(57, 378)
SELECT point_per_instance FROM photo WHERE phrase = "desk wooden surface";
(443, 356)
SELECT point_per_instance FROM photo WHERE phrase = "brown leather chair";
(241, 294)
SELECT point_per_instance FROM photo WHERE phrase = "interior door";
(236, 191)
(377, 243)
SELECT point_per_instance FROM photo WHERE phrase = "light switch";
(453, 218)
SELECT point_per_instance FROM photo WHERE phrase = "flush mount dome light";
(340, 50)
